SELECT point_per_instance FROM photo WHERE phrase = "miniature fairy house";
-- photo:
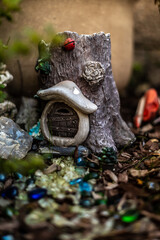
(83, 99)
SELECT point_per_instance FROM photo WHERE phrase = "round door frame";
(81, 135)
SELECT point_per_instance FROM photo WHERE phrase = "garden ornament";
(69, 44)
(147, 108)
(82, 101)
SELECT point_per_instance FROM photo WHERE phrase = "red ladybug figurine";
(69, 44)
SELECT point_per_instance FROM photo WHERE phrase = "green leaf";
(19, 47)
(3, 96)
(2, 86)
(12, 4)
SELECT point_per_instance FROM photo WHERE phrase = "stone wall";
(147, 39)
(86, 17)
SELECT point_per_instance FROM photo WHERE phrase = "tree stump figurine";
(84, 106)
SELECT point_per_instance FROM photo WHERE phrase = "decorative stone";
(2, 177)
(86, 202)
(108, 156)
(69, 44)
(80, 162)
(37, 193)
(106, 127)
(93, 72)
(84, 186)
(8, 109)
(76, 181)
(10, 192)
(130, 216)
(18, 175)
(14, 142)
(28, 113)
(35, 132)
(5, 76)
(8, 237)
(81, 151)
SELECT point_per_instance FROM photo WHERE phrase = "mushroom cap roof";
(70, 93)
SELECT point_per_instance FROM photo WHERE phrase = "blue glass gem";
(18, 175)
(80, 162)
(84, 186)
(92, 165)
(86, 202)
(37, 193)
(35, 131)
(8, 237)
(2, 177)
(76, 181)
(81, 151)
(10, 192)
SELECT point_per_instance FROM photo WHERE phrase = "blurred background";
(135, 37)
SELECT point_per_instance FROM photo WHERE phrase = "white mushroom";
(71, 94)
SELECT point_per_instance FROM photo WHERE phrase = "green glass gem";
(130, 216)
(92, 175)
(101, 202)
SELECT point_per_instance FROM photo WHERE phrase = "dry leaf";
(52, 168)
(123, 177)
(151, 215)
(138, 173)
(111, 175)
(111, 186)
(151, 145)
(153, 162)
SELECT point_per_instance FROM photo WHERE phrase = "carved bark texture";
(107, 129)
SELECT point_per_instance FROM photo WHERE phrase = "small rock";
(14, 142)
(8, 109)
(28, 113)
(5, 76)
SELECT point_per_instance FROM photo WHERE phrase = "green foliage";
(19, 47)
(3, 96)
(43, 66)
(43, 63)
(24, 42)
(26, 166)
(7, 7)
